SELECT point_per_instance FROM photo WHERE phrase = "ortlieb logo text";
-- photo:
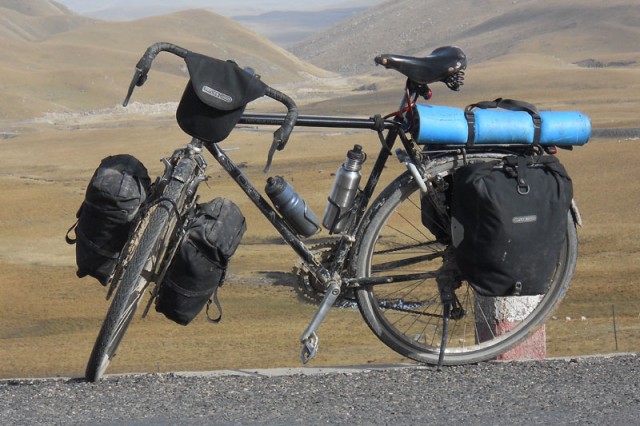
(525, 219)
(218, 95)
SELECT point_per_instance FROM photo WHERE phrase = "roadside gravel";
(597, 390)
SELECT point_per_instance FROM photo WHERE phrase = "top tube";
(373, 123)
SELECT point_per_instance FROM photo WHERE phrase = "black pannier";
(200, 263)
(113, 197)
(509, 223)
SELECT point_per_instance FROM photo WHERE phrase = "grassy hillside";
(289, 27)
(36, 19)
(88, 66)
(569, 54)
(568, 29)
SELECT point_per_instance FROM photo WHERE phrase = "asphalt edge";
(305, 371)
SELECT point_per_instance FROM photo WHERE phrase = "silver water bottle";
(343, 192)
(292, 207)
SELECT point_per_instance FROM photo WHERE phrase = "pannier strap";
(215, 300)
(508, 104)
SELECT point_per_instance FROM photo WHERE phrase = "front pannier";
(509, 223)
(201, 261)
(113, 197)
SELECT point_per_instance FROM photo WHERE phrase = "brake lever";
(277, 145)
(272, 150)
(139, 78)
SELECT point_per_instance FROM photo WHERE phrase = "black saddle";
(444, 64)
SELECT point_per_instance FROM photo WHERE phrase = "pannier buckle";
(523, 187)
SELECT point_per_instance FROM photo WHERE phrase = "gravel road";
(597, 390)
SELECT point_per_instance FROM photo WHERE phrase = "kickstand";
(447, 279)
(445, 333)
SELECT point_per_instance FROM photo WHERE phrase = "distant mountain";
(281, 21)
(569, 29)
(136, 9)
(34, 7)
(54, 60)
(36, 19)
(288, 27)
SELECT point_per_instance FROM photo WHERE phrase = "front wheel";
(134, 274)
(408, 316)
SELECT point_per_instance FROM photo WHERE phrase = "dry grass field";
(49, 318)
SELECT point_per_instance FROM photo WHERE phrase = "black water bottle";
(292, 207)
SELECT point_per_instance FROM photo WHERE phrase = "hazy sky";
(224, 7)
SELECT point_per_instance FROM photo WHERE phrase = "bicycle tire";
(128, 294)
(408, 316)
(146, 252)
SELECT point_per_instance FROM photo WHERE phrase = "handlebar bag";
(215, 97)
(199, 266)
(509, 223)
(113, 197)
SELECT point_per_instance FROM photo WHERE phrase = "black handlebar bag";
(509, 223)
(215, 97)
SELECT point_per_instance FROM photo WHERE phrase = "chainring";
(308, 288)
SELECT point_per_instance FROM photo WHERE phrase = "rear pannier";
(200, 263)
(509, 223)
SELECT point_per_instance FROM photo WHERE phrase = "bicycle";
(395, 268)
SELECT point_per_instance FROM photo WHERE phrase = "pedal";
(309, 338)
(309, 348)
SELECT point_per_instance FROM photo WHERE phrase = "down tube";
(243, 181)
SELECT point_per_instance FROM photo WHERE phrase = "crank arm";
(309, 339)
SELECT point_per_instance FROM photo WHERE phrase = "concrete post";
(497, 315)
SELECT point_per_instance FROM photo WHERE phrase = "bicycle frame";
(323, 275)
(330, 278)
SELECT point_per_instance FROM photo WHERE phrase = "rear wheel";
(408, 316)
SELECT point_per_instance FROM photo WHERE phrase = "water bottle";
(292, 207)
(343, 192)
